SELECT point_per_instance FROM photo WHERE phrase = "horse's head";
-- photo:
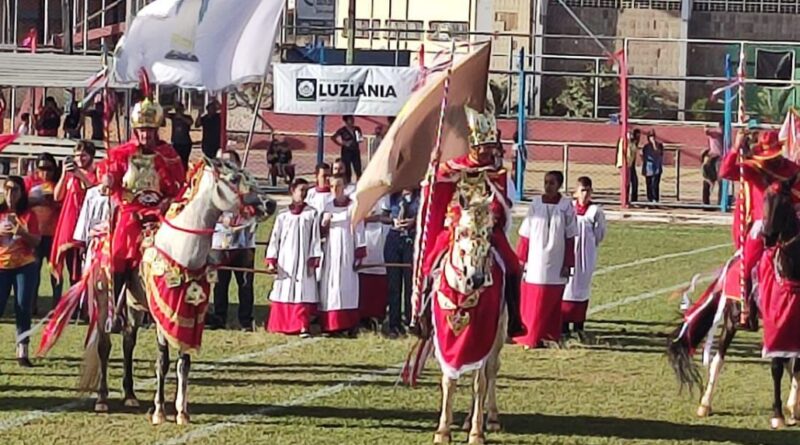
(235, 189)
(469, 260)
(780, 217)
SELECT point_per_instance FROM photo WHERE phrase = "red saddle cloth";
(780, 310)
(465, 329)
(178, 300)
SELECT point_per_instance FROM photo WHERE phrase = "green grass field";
(262, 388)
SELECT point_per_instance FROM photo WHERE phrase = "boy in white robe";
(317, 197)
(546, 243)
(373, 284)
(293, 254)
(343, 250)
(591, 231)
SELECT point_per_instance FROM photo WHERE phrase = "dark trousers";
(633, 184)
(235, 258)
(399, 249)
(22, 280)
(43, 253)
(184, 151)
(653, 187)
(352, 163)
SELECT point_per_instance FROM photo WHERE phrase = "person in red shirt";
(144, 176)
(763, 164)
(19, 237)
(77, 176)
(48, 119)
(40, 187)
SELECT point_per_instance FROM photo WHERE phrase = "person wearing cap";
(762, 164)
(479, 160)
(144, 176)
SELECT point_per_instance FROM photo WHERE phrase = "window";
(774, 65)
(508, 19)
(445, 31)
(362, 28)
(409, 30)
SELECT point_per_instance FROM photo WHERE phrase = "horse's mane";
(188, 191)
(782, 228)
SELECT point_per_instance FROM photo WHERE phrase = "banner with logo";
(327, 89)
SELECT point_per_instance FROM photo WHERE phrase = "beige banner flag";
(404, 154)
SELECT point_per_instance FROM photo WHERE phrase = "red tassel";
(415, 362)
(61, 317)
(144, 83)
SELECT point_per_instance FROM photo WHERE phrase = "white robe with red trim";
(295, 239)
(338, 287)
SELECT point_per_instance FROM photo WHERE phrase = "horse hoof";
(703, 411)
(158, 418)
(182, 419)
(777, 423)
(493, 426)
(476, 439)
(101, 407)
(441, 438)
(131, 403)
(791, 421)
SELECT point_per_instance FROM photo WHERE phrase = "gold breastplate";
(141, 181)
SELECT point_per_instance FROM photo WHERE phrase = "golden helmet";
(147, 114)
(482, 127)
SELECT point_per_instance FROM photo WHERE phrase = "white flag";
(790, 135)
(211, 44)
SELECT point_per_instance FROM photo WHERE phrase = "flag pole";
(743, 217)
(421, 241)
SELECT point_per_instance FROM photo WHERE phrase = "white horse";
(470, 268)
(185, 240)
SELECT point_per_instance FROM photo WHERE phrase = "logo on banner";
(306, 90)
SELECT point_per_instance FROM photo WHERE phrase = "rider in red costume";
(144, 176)
(483, 140)
(763, 164)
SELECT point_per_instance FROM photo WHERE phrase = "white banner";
(337, 89)
(211, 44)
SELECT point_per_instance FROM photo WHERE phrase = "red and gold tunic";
(141, 181)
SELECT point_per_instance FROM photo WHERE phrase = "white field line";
(40, 414)
(242, 419)
(668, 256)
(308, 397)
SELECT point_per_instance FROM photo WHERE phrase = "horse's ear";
(211, 162)
(463, 202)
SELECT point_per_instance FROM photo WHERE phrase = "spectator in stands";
(633, 149)
(279, 157)
(380, 133)
(349, 138)
(48, 119)
(24, 128)
(211, 123)
(710, 160)
(72, 122)
(234, 244)
(97, 118)
(19, 238)
(652, 166)
(40, 189)
(181, 128)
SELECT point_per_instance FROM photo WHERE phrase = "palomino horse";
(216, 187)
(470, 269)
(780, 227)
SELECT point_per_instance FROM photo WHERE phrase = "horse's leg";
(103, 352)
(715, 369)
(476, 435)
(794, 402)
(128, 345)
(162, 368)
(442, 435)
(778, 420)
(492, 371)
(181, 398)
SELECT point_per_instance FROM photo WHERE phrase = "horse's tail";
(89, 379)
(698, 323)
